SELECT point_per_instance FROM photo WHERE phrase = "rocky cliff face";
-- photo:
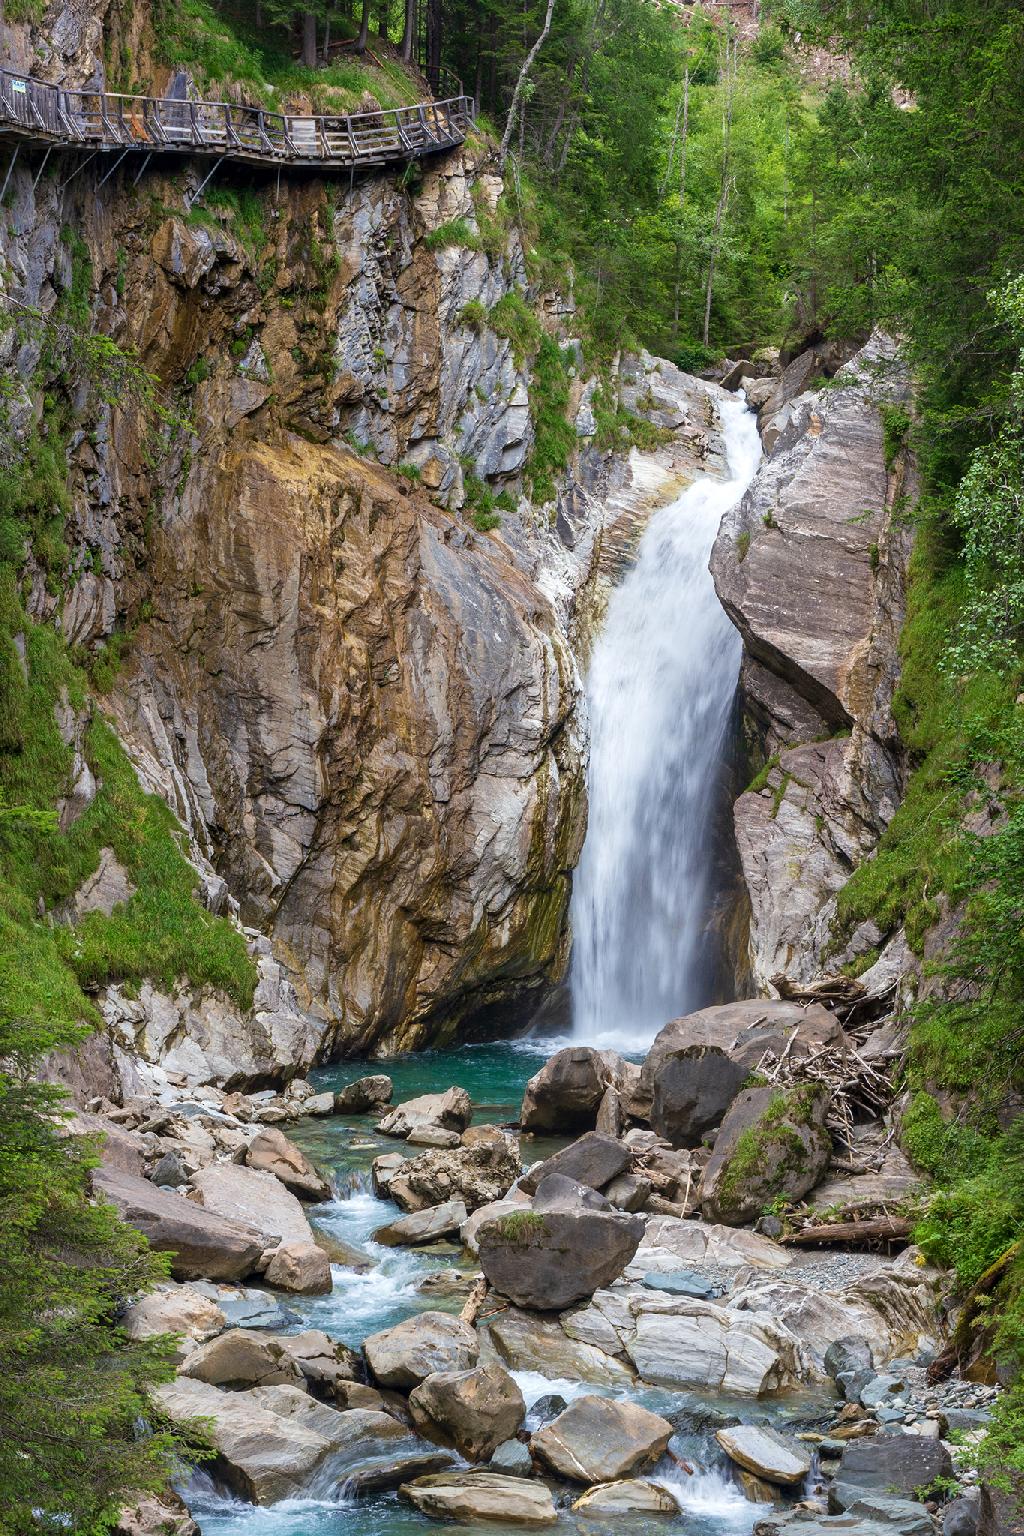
(811, 568)
(365, 712)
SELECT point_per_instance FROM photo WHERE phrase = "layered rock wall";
(811, 567)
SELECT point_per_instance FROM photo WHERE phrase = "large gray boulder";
(469, 1496)
(449, 1111)
(412, 1350)
(272, 1442)
(593, 1159)
(745, 1030)
(202, 1243)
(477, 1174)
(475, 1411)
(272, 1152)
(773, 1143)
(258, 1198)
(897, 1466)
(420, 1227)
(239, 1358)
(692, 1091)
(546, 1260)
(364, 1095)
(762, 1450)
(601, 1439)
(566, 1094)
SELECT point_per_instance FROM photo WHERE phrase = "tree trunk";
(723, 196)
(364, 28)
(309, 39)
(434, 24)
(409, 34)
(510, 122)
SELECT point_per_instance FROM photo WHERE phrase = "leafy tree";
(75, 1424)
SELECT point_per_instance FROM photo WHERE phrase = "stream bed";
(387, 1290)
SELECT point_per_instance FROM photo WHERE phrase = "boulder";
(330, 1368)
(692, 1091)
(484, 1213)
(681, 1282)
(423, 1134)
(260, 1199)
(272, 1441)
(773, 1143)
(765, 1452)
(593, 1160)
(201, 1242)
(470, 1496)
(628, 1192)
(555, 1192)
(700, 1346)
(475, 1411)
(847, 1355)
(477, 1175)
(565, 1095)
(318, 1104)
(547, 1260)
(412, 1350)
(178, 1309)
(366, 1094)
(300, 1267)
(384, 1477)
(513, 1459)
(601, 1439)
(895, 1517)
(383, 1169)
(744, 1031)
(426, 1226)
(247, 1307)
(156, 1514)
(631, 1496)
(526, 1342)
(272, 1152)
(669, 1243)
(451, 1110)
(891, 1465)
(238, 1359)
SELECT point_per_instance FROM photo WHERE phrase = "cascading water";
(660, 688)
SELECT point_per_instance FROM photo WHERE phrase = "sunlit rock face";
(812, 570)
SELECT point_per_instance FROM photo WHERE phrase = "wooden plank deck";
(48, 114)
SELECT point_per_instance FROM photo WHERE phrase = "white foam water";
(661, 687)
(711, 1498)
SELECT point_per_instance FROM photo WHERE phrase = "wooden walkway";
(100, 120)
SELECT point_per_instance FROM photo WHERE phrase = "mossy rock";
(773, 1145)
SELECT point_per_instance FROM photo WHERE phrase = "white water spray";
(661, 686)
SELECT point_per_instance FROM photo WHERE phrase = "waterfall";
(660, 688)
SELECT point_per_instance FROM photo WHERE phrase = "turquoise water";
(376, 1287)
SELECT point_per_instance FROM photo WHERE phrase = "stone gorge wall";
(366, 714)
(811, 567)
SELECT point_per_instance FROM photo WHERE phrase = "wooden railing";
(30, 109)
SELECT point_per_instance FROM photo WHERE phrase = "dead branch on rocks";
(855, 1088)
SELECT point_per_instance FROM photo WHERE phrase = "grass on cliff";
(162, 932)
(225, 52)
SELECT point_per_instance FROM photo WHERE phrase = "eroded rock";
(600, 1439)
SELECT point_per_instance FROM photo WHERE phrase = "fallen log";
(884, 1229)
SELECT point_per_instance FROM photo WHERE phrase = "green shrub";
(554, 436)
(455, 232)
(514, 320)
